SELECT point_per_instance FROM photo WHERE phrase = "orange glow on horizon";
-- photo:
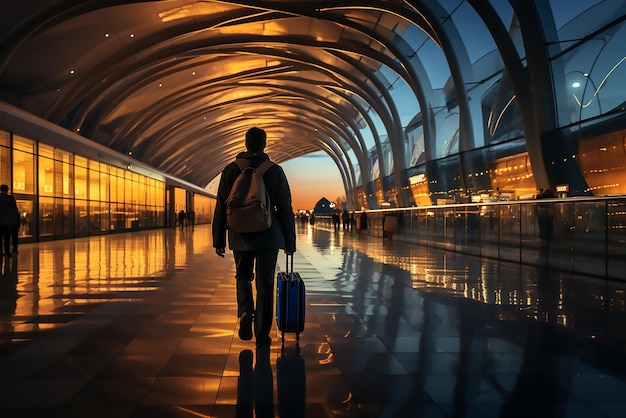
(311, 179)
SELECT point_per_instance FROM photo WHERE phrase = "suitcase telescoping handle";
(288, 261)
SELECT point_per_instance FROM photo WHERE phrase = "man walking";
(256, 252)
(9, 216)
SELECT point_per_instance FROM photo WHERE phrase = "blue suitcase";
(290, 301)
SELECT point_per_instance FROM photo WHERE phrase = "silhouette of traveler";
(181, 218)
(9, 216)
(256, 252)
(345, 218)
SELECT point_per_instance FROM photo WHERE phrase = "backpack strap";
(261, 169)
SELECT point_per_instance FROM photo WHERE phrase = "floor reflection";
(144, 325)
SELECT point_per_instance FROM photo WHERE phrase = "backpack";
(248, 206)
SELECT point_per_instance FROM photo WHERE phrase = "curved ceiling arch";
(324, 127)
(313, 73)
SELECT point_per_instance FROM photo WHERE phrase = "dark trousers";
(263, 263)
(5, 236)
(15, 231)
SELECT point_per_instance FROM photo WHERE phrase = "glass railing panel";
(581, 235)
(449, 225)
(460, 229)
(589, 237)
(472, 230)
(422, 226)
(616, 239)
(531, 242)
(489, 230)
(557, 228)
(440, 220)
(509, 231)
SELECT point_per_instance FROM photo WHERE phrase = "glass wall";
(60, 194)
(584, 235)
(204, 207)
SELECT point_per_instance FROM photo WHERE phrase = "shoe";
(245, 326)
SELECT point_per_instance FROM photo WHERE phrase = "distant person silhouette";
(9, 216)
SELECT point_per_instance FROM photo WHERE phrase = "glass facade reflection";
(457, 151)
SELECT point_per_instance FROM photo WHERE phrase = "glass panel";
(557, 234)
(180, 198)
(5, 165)
(80, 182)
(23, 172)
(510, 230)
(141, 192)
(26, 218)
(46, 176)
(477, 39)
(128, 190)
(46, 151)
(472, 227)
(95, 217)
(132, 215)
(63, 179)
(113, 188)
(593, 77)
(63, 218)
(94, 185)
(530, 242)
(118, 217)
(104, 187)
(46, 216)
(81, 217)
(449, 232)
(489, 230)
(23, 144)
(80, 161)
(121, 183)
(589, 235)
(616, 241)
(105, 218)
(4, 138)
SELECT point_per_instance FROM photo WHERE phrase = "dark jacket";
(282, 233)
(9, 214)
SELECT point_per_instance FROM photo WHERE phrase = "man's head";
(255, 140)
(4, 188)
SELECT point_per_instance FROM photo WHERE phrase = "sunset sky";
(312, 177)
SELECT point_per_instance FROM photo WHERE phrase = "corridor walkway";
(144, 325)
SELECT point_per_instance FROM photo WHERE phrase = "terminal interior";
(485, 141)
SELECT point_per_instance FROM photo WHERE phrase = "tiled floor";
(144, 325)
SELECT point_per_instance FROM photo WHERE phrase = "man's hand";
(220, 251)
